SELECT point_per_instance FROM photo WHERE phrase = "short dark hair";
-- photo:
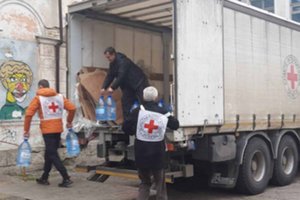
(110, 50)
(44, 83)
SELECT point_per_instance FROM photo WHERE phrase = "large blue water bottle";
(170, 108)
(161, 103)
(24, 154)
(101, 110)
(111, 108)
(134, 106)
(72, 144)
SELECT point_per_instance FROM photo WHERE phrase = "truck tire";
(286, 164)
(255, 173)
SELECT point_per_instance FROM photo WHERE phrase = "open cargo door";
(199, 62)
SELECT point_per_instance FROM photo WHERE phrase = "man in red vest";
(148, 122)
(50, 106)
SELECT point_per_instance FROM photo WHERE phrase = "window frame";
(263, 7)
(294, 4)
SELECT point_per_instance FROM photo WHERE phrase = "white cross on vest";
(151, 126)
(52, 107)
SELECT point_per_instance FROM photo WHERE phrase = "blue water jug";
(161, 103)
(72, 144)
(24, 154)
(134, 106)
(101, 110)
(170, 108)
(111, 108)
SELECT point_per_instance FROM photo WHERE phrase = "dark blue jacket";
(124, 73)
(148, 155)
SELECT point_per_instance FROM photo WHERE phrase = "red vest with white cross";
(151, 126)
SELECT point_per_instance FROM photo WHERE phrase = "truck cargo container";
(229, 70)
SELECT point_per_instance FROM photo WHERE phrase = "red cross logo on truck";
(53, 107)
(291, 72)
(292, 76)
(151, 126)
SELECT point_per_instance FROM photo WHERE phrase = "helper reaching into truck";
(149, 122)
(127, 75)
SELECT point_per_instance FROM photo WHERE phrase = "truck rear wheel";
(286, 164)
(255, 171)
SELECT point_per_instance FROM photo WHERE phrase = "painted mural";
(20, 24)
(18, 66)
(16, 78)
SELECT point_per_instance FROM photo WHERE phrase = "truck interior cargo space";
(142, 30)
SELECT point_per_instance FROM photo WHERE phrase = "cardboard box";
(90, 83)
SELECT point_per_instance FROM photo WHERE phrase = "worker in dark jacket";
(128, 76)
(149, 122)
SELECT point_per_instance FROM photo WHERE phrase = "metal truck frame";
(234, 74)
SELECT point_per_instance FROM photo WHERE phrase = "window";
(264, 4)
(296, 17)
(295, 4)
(295, 10)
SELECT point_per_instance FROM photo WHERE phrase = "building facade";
(32, 47)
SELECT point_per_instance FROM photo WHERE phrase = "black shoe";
(42, 181)
(65, 183)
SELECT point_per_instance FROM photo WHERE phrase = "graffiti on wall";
(17, 69)
(20, 24)
(16, 78)
(8, 136)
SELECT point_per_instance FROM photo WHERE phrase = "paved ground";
(15, 188)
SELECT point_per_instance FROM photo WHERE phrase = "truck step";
(132, 174)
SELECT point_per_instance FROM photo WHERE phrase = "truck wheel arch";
(243, 140)
(276, 138)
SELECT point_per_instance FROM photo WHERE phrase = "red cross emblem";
(292, 76)
(151, 126)
(53, 107)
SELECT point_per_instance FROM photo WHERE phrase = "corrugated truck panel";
(260, 84)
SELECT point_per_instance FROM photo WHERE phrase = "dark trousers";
(130, 95)
(159, 180)
(52, 142)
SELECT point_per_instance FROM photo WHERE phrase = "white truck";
(234, 76)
